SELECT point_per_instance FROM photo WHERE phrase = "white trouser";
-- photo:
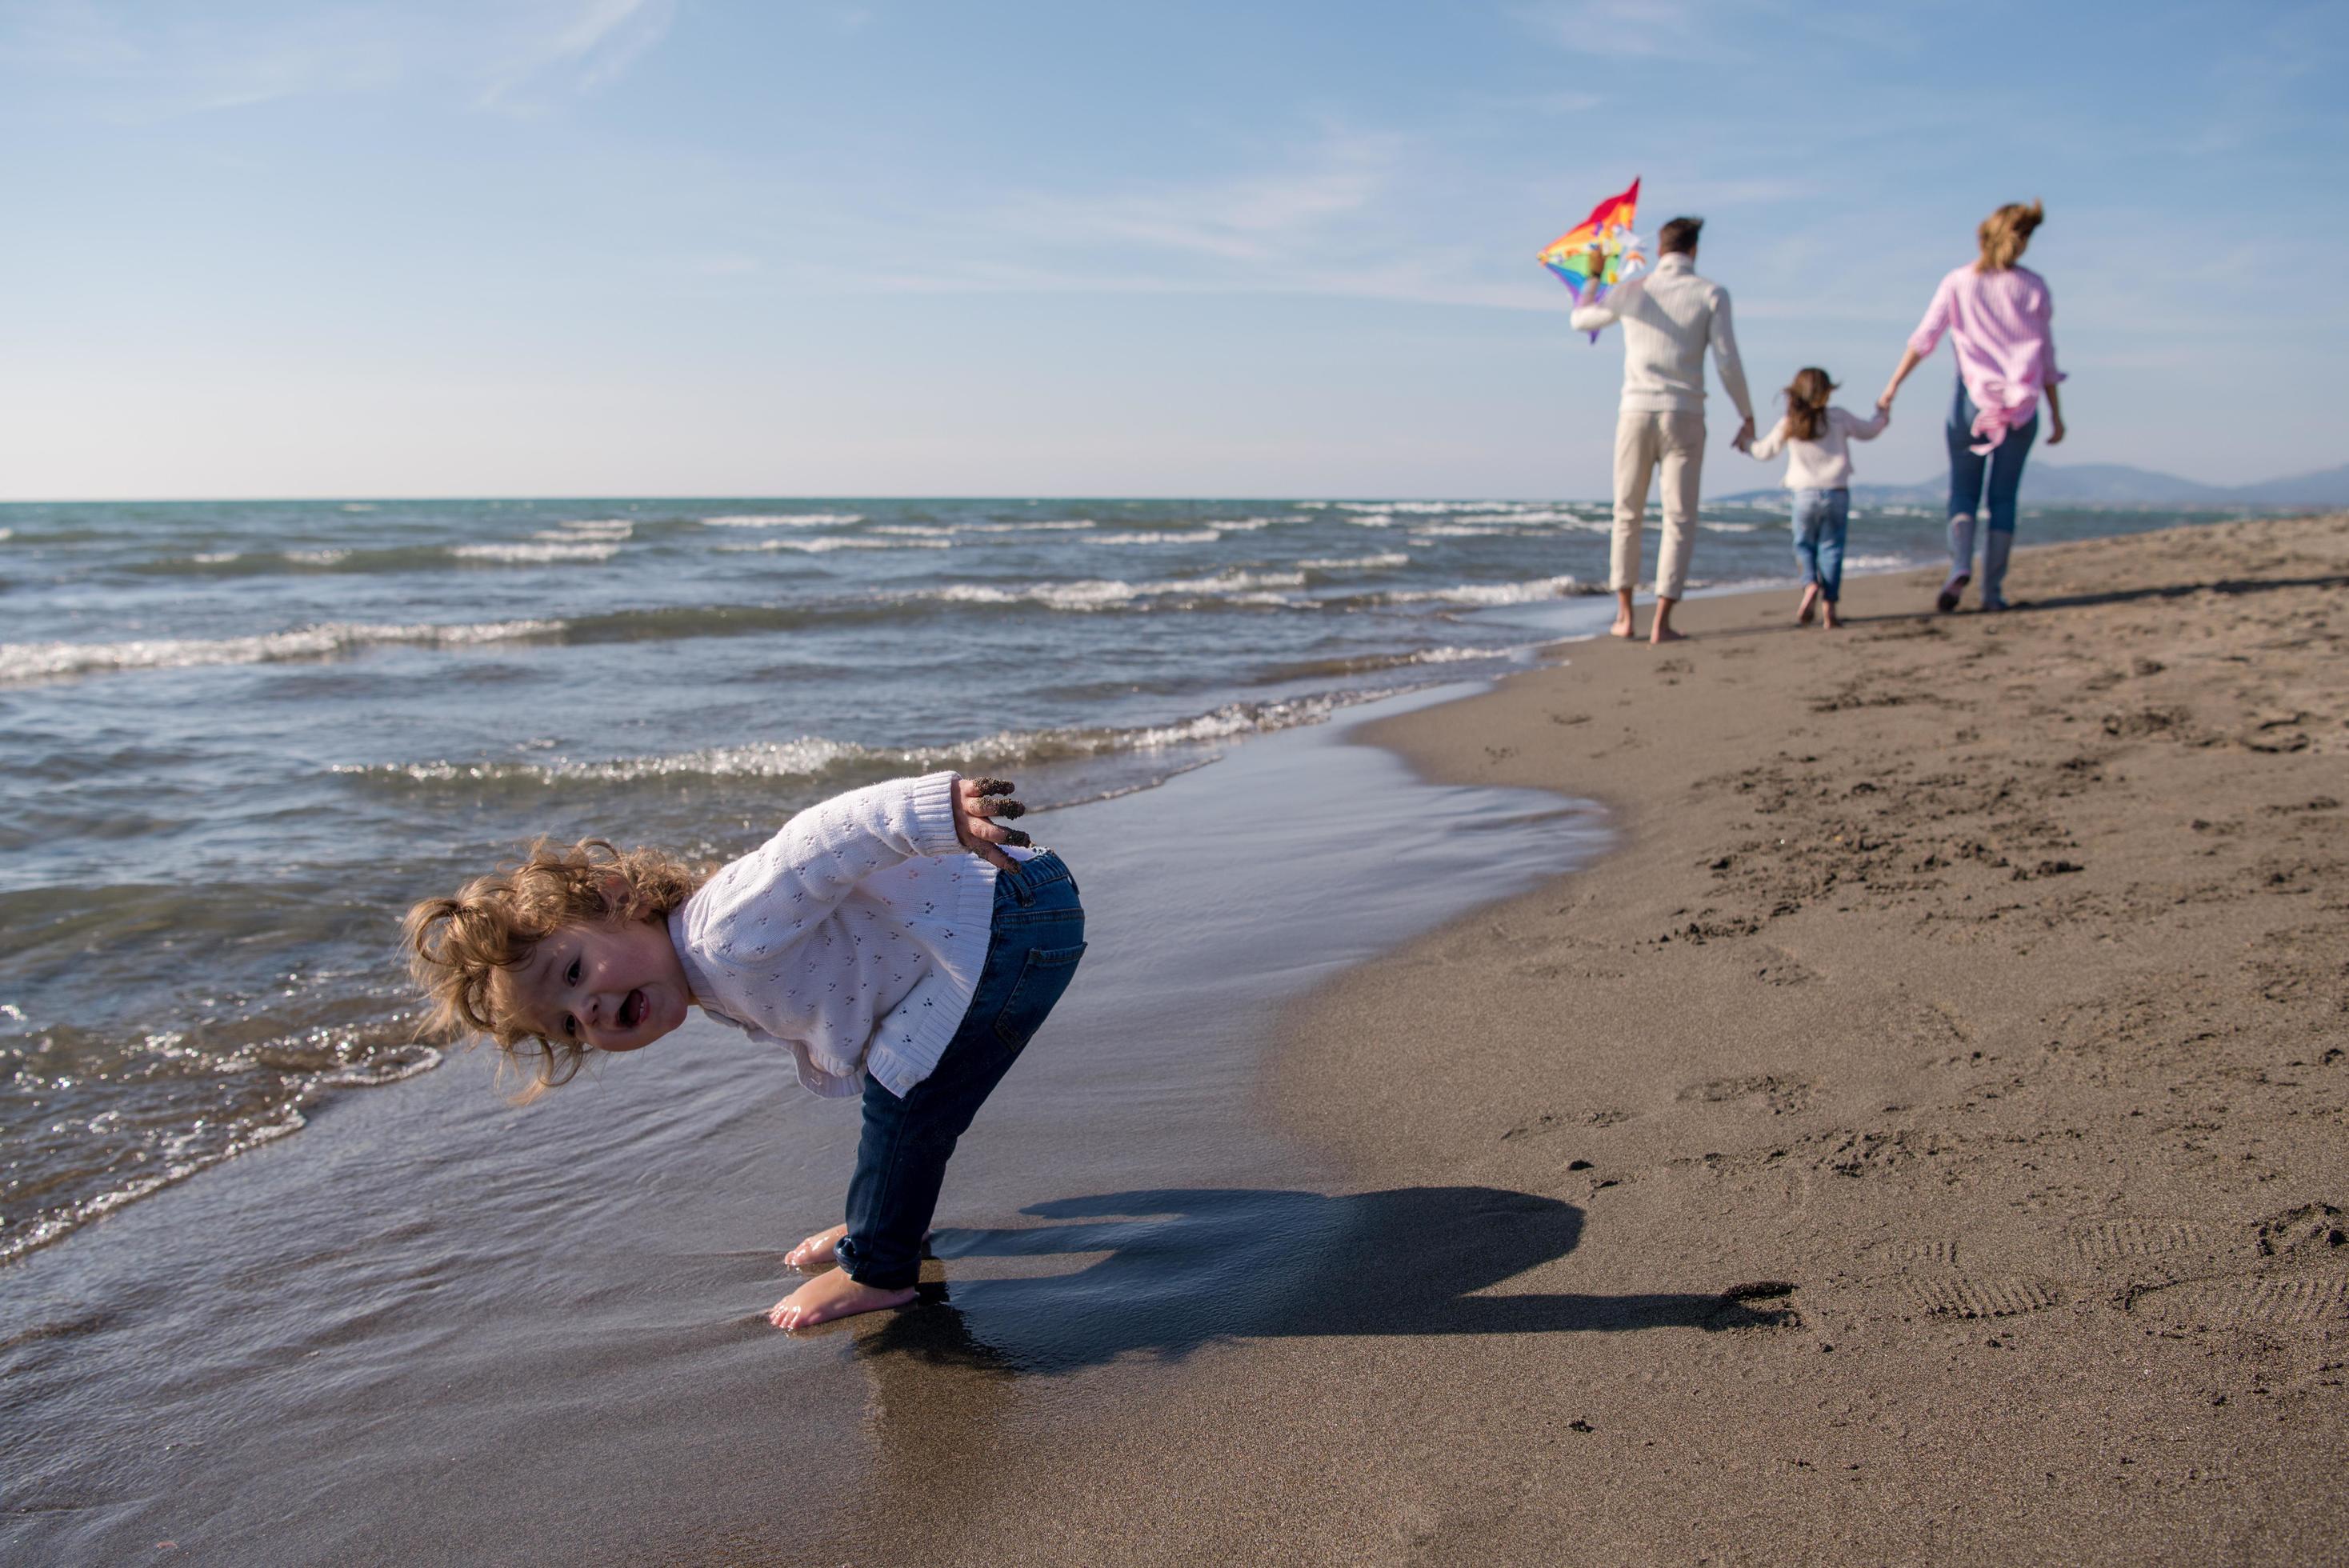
(1643, 441)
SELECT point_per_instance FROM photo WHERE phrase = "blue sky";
(603, 247)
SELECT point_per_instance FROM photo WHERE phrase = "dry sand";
(1922, 1141)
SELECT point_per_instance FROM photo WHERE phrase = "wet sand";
(1923, 1141)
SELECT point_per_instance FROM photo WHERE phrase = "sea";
(241, 738)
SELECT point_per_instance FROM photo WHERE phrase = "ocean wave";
(1419, 530)
(1108, 593)
(1491, 593)
(1375, 663)
(1049, 525)
(1729, 527)
(1384, 558)
(1199, 536)
(592, 527)
(21, 662)
(829, 542)
(816, 760)
(783, 520)
(542, 554)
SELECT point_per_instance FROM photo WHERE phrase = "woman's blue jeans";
(2004, 468)
(1822, 517)
(1037, 935)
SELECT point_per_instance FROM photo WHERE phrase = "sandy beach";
(1921, 1141)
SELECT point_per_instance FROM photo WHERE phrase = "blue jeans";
(2003, 467)
(1036, 937)
(1822, 517)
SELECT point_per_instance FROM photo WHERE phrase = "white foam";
(1729, 527)
(783, 520)
(829, 542)
(591, 528)
(1201, 536)
(1486, 594)
(317, 557)
(1422, 531)
(540, 554)
(1354, 563)
(45, 660)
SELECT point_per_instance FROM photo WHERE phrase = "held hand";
(1884, 398)
(976, 802)
(1743, 440)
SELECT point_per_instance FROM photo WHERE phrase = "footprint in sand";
(2003, 1297)
(2118, 1241)
(2286, 1301)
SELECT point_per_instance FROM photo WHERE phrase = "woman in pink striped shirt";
(1996, 314)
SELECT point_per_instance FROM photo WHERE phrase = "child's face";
(614, 985)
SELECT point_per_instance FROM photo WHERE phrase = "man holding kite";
(1669, 316)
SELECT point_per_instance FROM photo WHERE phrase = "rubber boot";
(1997, 545)
(1962, 561)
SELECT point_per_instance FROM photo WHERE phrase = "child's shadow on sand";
(1186, 1267)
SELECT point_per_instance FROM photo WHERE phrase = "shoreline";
(2002, 1134)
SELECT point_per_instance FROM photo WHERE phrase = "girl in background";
(1817, 440)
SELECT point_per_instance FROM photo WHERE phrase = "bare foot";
(821, 1251)
(1829, 620)
(830, 1296)
(1810, 603)
(1622, 626)
(1664, 634)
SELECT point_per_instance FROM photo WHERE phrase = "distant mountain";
(2110, 484)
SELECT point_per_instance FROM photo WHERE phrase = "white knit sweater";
(1823, 462)
(855, 936)
(1669, 316)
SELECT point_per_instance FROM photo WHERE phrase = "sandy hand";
(976, 803)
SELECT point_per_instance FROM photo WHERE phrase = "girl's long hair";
(2004, 233)
(1807, 403)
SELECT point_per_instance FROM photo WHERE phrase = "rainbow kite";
(1609, 227)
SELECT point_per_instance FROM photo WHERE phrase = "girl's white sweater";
(854, 936)
(1825, 461)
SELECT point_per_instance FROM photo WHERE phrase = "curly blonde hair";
(458, 946)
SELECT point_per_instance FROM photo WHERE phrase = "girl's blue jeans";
(2004, 470)
(1822, 517)
(1037, 938)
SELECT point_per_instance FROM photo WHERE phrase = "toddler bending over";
(901, 942)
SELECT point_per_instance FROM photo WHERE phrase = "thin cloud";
(588, 47)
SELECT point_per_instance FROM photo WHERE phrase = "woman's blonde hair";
(1807, 403)
(458, 946)
(2004, 233)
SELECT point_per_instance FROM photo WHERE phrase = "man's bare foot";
(1810, 603)
(1622, 627)
(1663, 633)
(830, 1296)
(821, 1251)
(1829, 620)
